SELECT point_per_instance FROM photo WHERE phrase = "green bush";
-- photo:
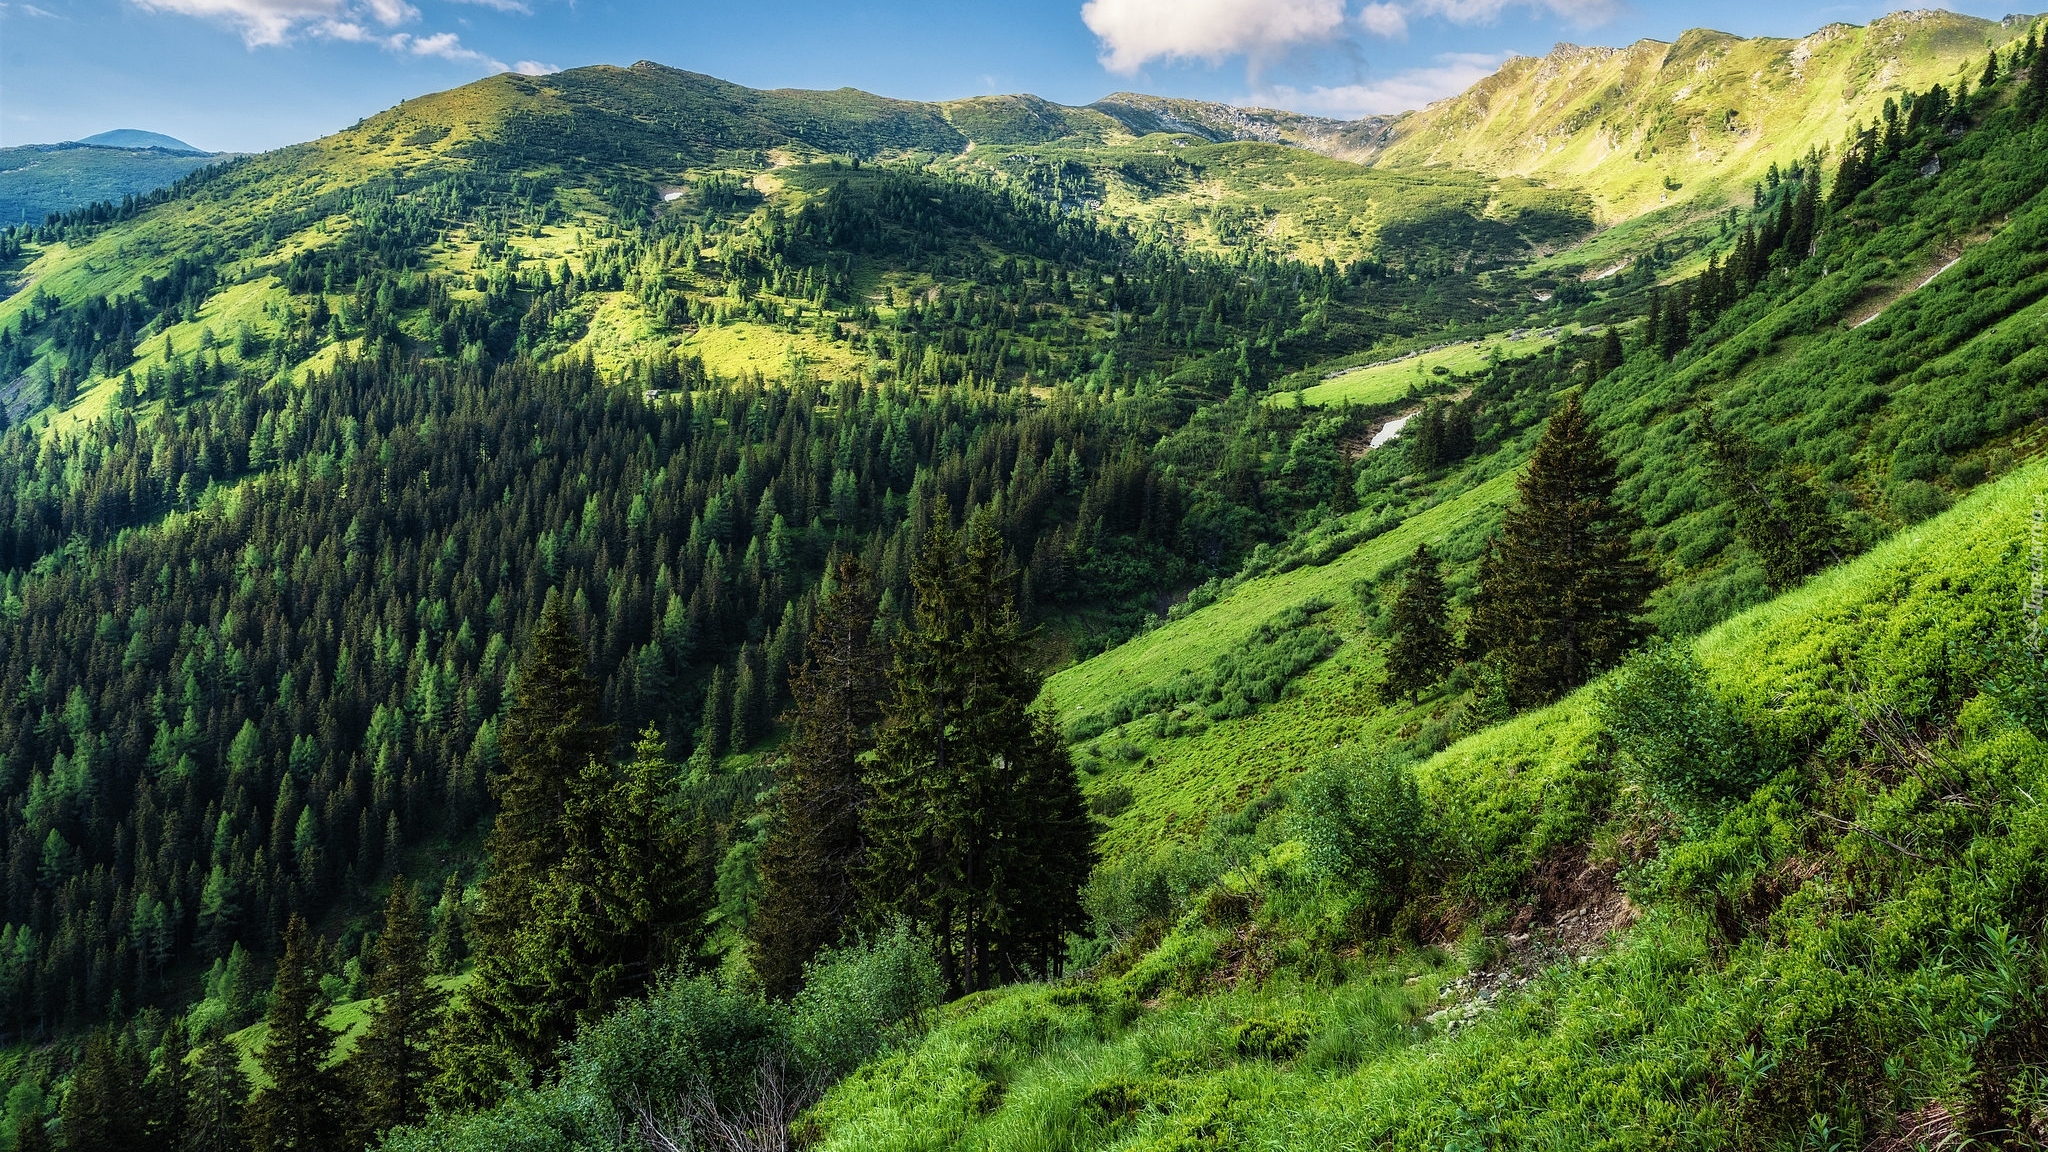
(691, 1035)
(1278, 1039)
(1683, 747)
(857, 999)
(1360, 818)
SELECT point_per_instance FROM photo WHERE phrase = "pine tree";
(302, 1108)
(392, 1062)
(1421, 650)
(812, 855)
(32, 1132)
(963, 776)
(169, 1088)
(2034, 98)
(220, 1095)
(1561, 596)
(102, 1110)
(508, 1021)
(1609, 355)
(1425, 438)
(1779, 515)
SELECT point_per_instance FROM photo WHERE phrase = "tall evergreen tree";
(169, 1089)
(32, 1132)
(1561, 596)
(963, 776)
(1609, 355)
(102, 1110)
(302, 1108)
(219, 1097)
(392, 1062)
(813, 853)
(1779, 514)
(1421, 650)
(508, 1020)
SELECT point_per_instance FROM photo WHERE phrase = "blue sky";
(254, 74)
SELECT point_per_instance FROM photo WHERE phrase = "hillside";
(38, 179)
(1632, 126)
(873, 624)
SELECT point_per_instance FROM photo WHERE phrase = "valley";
(615, 610)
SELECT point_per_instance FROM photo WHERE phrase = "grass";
(1193, 643)
(350, 1019)
(1390, 380)
(1707, 114)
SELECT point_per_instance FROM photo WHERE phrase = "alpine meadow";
(613, 611)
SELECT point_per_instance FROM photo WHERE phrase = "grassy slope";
(1189, 644)
(1225, 196)
(1620, 123)
(1628, 1050)
(1390, 380)
(1625, 121)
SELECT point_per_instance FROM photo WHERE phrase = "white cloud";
(392, 13)
(535, 68)
(261, 22)
(448, 46)
(1386, 20)
(1137, 32)
(1452, 74)
(270, 22)
(501, 5)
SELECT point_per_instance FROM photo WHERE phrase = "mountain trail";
(1950, 257)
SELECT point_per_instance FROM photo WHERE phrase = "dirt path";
(1888, 301)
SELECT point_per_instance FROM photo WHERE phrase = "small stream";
(1387, 433)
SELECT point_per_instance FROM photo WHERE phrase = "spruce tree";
(219, 1097)
(813, 852)
(508, 1020)
(1421, 649)
(1779, 514)
(392, 1062)
(963, 777)
(1608, 356)
(169, 1088)
(32, 1132)
(102, 1110)
(1561, 595)
(301, 1110)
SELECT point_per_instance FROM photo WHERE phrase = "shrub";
(1683, 747)
(690, 1037)
(1360, 818)
(858, 999)
(1281, 1039)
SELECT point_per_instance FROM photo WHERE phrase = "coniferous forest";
(678, 617)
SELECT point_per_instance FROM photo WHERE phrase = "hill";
(1631, 126)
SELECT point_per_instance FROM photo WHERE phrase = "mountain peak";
(137, 138)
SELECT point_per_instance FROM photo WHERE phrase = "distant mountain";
(38, 179)
(137, 138)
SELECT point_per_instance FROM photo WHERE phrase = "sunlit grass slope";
(1630, 126)
(1807, 965)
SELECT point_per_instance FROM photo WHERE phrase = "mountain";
(470, 496)
(38, 179)
(1632, 125)
(137, 138)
